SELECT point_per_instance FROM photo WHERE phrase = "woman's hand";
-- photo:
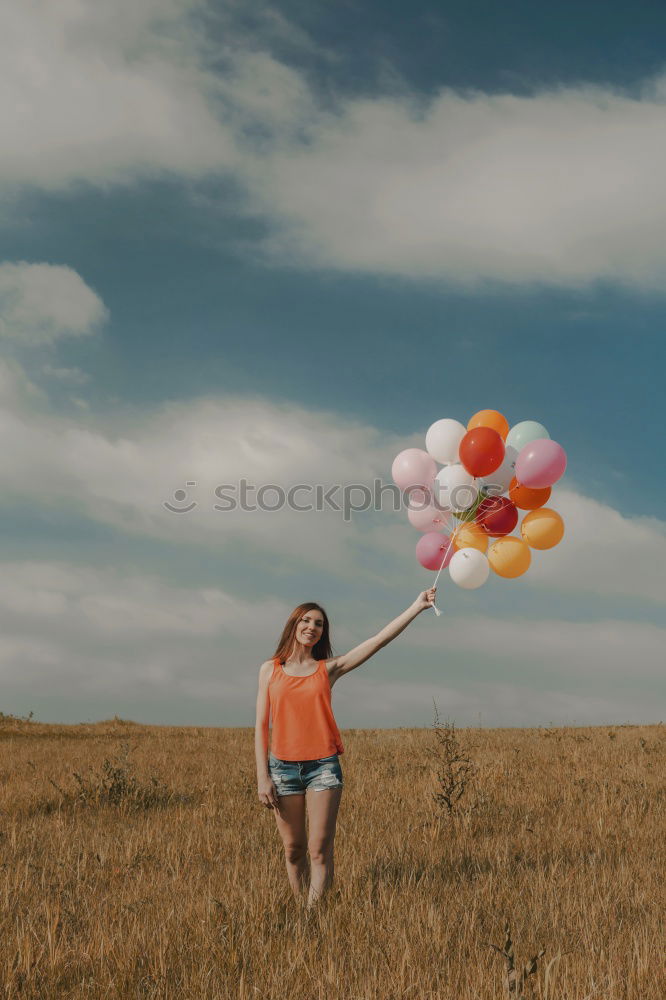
(267, 793)
(426, 599)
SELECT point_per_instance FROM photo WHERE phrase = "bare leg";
(322, 814)
(298, 873)
(323, 871)
(290, 818)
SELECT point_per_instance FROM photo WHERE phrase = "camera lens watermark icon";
(180, 496)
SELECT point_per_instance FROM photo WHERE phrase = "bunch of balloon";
(468, 510)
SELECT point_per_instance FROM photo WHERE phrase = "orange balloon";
(509, 556)
(490, 418)
(470, 536)
(542, 528)
(526, 498)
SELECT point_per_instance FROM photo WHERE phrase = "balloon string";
(448, 549)
(463, 522)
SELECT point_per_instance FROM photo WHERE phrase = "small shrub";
(456, 768)
(515, 981)
(9, 719)
(116, 785)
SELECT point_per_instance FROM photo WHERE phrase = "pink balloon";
(429, 519)
(413, 467)
(419, 497)
(434, 550)
(540, 463)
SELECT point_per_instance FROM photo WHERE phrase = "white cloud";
(73, 376)
(365, 703)
(120, 470)
(261, 91)
(40, 303)
(564, 186)
(105, 93)
(603, 552)
(19, 395)
(111, 637)
(105, 632)
(103, 603)
(599, 650)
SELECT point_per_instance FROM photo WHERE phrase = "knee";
(294, 852)
(321, 854)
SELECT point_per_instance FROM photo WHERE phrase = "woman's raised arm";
(355, 657)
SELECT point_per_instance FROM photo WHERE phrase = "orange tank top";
(304, 727)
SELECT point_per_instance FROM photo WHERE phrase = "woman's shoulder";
(266, 669)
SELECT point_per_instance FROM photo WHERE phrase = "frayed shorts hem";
(296, 777)
(282, 795)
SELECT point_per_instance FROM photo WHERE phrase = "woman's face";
(310, 628)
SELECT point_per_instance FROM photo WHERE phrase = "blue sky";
(280, 241)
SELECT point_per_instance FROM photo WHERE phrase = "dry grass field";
(138, 862)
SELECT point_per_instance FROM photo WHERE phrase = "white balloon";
(498, 482)
(455, 488)
(443, 438)
(469, 568)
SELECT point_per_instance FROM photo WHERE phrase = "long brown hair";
(320, 651)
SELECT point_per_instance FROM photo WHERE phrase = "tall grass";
(138, 862)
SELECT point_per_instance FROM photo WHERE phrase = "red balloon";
(497, 516)
(481, 451)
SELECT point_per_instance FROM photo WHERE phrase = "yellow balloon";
(509, 556)
(490, 418)
(542, 528)
(470, 536)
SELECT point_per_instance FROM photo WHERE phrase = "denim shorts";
(294, 777)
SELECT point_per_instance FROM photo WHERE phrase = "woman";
(303, 763)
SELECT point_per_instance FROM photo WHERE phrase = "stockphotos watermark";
(347, 498)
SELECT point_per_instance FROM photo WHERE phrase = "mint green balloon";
(524, 433)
